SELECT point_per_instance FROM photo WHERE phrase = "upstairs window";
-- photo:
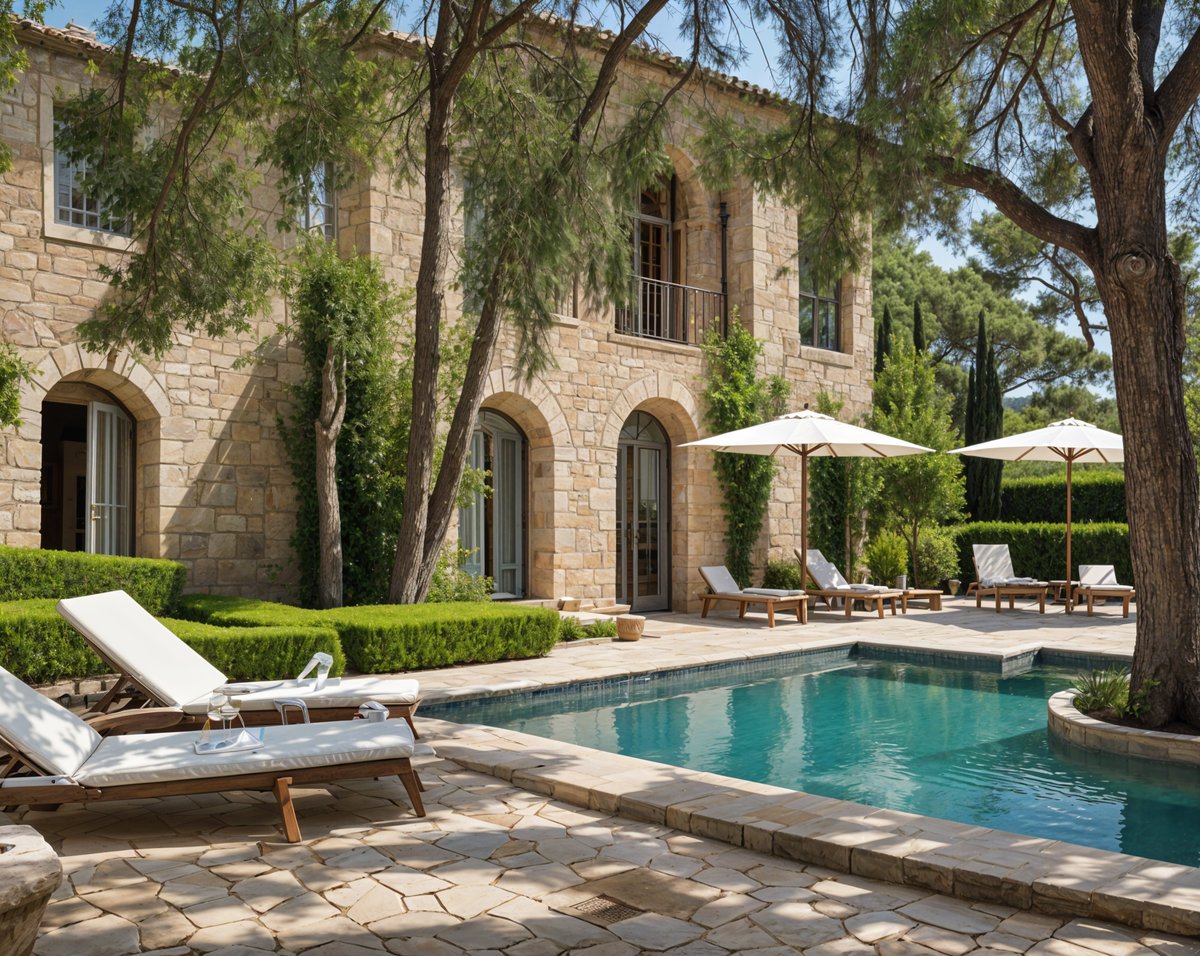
(820, 311)
(72, 205)
(320, 213)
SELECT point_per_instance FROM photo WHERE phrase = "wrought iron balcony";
(671, 312)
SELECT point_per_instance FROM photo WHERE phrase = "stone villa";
(592, 496)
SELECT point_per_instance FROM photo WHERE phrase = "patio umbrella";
(809, 434)
(1069, 440)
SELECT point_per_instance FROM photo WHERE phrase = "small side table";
(1059, 590)
(932, 595)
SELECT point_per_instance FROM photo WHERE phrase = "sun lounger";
(994, 576)
(1100, 581)
(55, 757)
(166, 672)
(832, 586)
(722, 587)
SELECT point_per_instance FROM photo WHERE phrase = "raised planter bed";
(1068, 723)
(29, 872)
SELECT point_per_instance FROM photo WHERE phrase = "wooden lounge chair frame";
(1123, 592)
(1011, 591)
(51, 796)
(849, 595)
(798, 602)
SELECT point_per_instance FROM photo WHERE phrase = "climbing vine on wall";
(739, 395)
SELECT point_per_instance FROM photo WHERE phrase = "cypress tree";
(883, 339)
(918, 327)
(984, 421)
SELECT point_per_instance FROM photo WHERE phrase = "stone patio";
(497, 866)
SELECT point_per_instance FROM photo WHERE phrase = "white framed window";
(72, 204)
(319, 214)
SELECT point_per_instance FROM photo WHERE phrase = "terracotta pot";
(630, 627)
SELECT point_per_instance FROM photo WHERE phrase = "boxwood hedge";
(34, 573)
(1040, 550)
(1097, 496)
(398, 637)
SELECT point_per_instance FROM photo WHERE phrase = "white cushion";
(719, 580)
(336, 692)
(127, 636)
(772, 592)
(158, 758)
(1101, 576)
(827, 576)
(47, 735)
(992, 562)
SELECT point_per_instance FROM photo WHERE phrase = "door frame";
(626, 589)
(94, 459)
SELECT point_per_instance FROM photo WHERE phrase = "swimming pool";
(945, 742)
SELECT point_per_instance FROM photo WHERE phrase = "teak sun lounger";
(1100, 581)
(55, 757)
(722, 587)
(156, 667)
(994, 574)
(832, 586)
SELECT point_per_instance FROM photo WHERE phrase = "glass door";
(109, 485)
(643, 544)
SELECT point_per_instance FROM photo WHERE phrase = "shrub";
(29, 573)
(1040, 550)
(887, 556)
(606, 628)
(1101, 690)
(39, 647)
(937, 557)
(572, 629)
(382, 638)
(259, 653)
(452, 583)
(785, 575)
(1097, 496)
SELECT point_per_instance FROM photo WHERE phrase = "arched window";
(492, 527)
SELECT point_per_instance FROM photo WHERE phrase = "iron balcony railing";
(672, 312)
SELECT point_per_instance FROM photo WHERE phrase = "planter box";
(29, 872)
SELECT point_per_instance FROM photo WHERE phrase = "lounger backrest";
(827, 576)
(992, 562)
(719, 580)
(42, 732)
(127, 636)
(1096, 575)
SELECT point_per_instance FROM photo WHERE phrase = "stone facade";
(212, 487)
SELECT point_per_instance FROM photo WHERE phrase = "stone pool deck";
(533, 847)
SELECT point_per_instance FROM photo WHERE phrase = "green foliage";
(572, 629)
(887, 556)
(14, 372)
(937, 557)
(35, 573)
(785, 575)
(1095, 496)
(918, 329)
(384, 638)
(984, 422)
(39, 647)
(348, 306)
(915, 490)
(452, 583)
(737, 396)
(883, 340)
(840, 492)
(1039, 550)
(1102, 690)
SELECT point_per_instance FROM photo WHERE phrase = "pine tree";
(918, 327)
(984, 421)
(883, 340)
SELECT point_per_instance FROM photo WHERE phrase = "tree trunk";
(329, 515)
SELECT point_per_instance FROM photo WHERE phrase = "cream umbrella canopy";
(1069, 440)
(809, 434)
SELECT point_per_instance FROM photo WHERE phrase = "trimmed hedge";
(384, 638)
(28, 573)
(39, 647)
(1097, 496)
(1040, 550)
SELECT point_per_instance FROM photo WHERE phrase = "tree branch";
(1180, 89)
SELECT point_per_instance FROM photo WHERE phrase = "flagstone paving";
(492, 868)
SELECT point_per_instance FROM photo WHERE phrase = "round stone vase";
(630, 627)
(29, 872)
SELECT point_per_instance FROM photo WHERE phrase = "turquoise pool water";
(943, 742)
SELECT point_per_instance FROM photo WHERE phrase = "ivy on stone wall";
(738, 396)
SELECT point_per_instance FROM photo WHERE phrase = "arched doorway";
(87, 489)
(492, 527)
(643, 514)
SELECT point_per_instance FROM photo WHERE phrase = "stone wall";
(213, 486)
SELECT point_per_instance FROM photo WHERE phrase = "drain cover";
(602, 909)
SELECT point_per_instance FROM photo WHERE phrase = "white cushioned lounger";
(171, 674)
(71, 762)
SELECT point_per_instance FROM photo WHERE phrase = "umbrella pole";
(1070, 590)
(804, 519)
